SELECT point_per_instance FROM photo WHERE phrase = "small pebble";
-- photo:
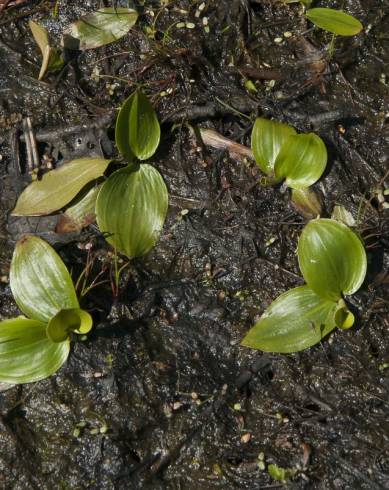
(278, 40)
(190, 25)
(245, 438)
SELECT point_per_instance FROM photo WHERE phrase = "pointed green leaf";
(295, 321)
(335, 21)
(137, 128)
(68, 321)
(131, 209)
(96, 29)
(41, 37)
(267, 138)
(58, 187)
(79, 214)
(301, 160)
(332, 258)
(40, 282)
(26, 353)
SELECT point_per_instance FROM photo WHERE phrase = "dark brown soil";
(180, 403)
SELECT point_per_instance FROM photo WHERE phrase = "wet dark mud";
(161, 395)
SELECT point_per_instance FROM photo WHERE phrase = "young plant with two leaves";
(297, 159)
(130, 206)
(92, 30)
(34, 346)
(333, 262)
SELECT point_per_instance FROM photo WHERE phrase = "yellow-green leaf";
(26, 353)
(296, 320)
(335, 21)
(40, 282)
(301, 160)
(131, 209)
(68, 321)
(51, 57)
(137, 128)
(267, 139)
(332, 258)
(96, 29)
(58, 187)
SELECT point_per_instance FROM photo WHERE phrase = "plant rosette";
(333, 262)
(284, 155)
(35, 346)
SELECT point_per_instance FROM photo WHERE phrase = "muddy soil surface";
(161, 395)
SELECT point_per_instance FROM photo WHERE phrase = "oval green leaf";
(131, 209)
(40, 282)
(301, 160)
(267, 138)
(137, 128)
(58, 187)
(332, 258)
(295, 321)
(68, 321)
(335, 21)
(26, 353)
(96, 29)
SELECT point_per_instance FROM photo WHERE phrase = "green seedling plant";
(333, 263)
(93, 30)
(284, 155)
(35, 346)
(336, 22)
(132, 204)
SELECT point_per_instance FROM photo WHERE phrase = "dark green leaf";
(137, 128)
(69, 321)
(301, 160)
(335, 21)
(39, 280)
(266, 140)
(99, 28)
(131, 209)
(295, 321)
(58, 187)
(26, 353)
(332, 258)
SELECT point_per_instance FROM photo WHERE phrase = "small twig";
(214, 139)
(53, 135)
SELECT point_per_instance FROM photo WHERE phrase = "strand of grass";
(224, 104)
(331, 47)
